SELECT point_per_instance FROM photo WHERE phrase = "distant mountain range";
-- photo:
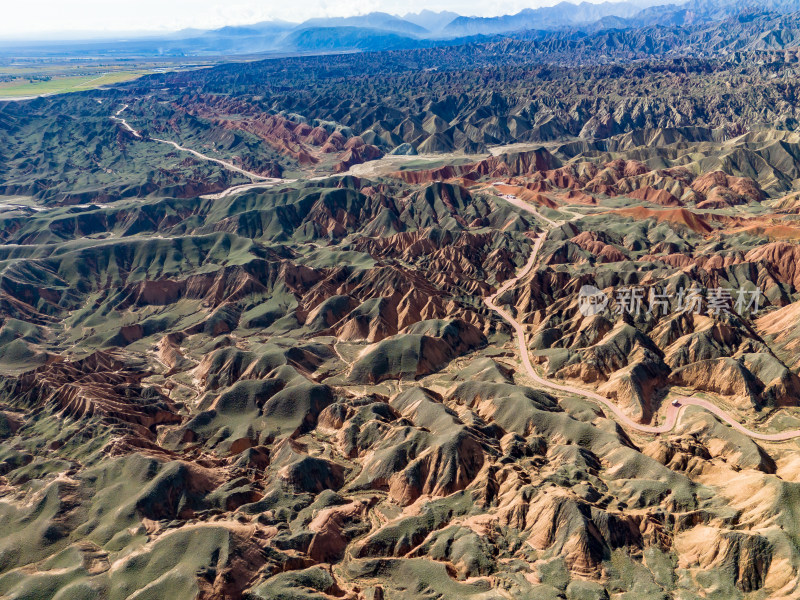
(545, 19)
(382, 31)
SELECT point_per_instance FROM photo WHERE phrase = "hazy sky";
(20, 18)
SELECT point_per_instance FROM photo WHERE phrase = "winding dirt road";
(673, 410)
(116, 117)
(255, 177)
(224, 163)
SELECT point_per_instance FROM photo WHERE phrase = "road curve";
(224, 163)
(228, 165)
(116, 117)
(673, 410)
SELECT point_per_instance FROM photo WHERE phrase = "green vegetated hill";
(319, 120)
(207, 394)
(68, 150)
(276, 376)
